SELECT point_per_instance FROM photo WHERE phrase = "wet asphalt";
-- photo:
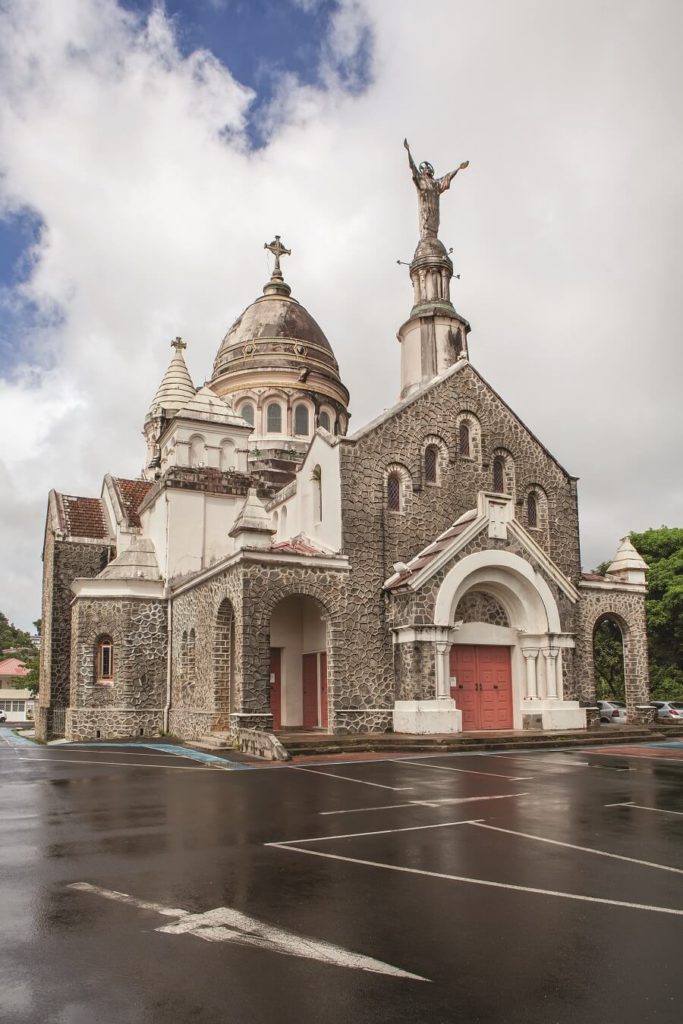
(481, 914)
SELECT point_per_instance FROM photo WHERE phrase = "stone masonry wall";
(134, 700)
(628, 610)
(204, 701)
(374, 537)
(63, 562)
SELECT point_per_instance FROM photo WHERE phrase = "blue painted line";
(170, 748)
(13, 740)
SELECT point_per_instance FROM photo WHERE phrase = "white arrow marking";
(226, 925)
(427, 803)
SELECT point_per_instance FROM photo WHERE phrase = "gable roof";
(82, 517)
(131, 493)
(420, 569)
(13, 667)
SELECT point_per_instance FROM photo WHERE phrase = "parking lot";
(145, 885)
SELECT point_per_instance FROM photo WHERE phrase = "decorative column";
(530, 660)
(551, 672)
(442, 650)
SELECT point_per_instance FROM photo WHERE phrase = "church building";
(271, 571)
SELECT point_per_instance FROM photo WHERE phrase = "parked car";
(612, 711)
(3, 716)
(672, 710)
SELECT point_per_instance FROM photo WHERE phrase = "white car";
(672, 710)
(3, 716)
(612, 712)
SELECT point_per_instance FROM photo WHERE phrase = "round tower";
(277, 369)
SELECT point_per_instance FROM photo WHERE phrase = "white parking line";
(381, 832)
(478, 881)
(641, 807)
(116, 764)
(582, 849)
(463, 771)
(427, 803)
(361, 782)
(571, 764)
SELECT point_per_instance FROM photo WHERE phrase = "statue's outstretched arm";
(411, 162)
(444, 182)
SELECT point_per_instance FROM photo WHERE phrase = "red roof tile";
(133, 493)
(13, 667)
(83, 517)
(429, 553)
(296, 546)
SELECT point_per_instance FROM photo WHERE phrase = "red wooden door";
(324, 721)
(310, 691)
(276, 686)
(483, 690)
(463, 665)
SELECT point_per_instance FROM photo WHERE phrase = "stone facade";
(63, 562)
(132, 703)
(626, 607)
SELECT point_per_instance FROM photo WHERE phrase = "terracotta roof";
(13, 667)
(427, 554)
(297, 546)
(83, 517)
(133, 493)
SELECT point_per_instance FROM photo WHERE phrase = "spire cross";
(278, 250)
(178, 344)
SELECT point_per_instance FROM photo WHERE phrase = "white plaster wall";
(221, 511)
(286, 632)
(155, 526)
(186, 531)
(302, 517)
(411, 356)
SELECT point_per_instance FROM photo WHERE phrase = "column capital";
(550, 653)
(530, 653)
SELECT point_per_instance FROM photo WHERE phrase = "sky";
(148, 150)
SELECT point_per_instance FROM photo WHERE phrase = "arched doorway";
(298, 664)
(223, 658)
(481, 672)
(609, 658)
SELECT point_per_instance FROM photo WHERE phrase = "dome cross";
(278, 250)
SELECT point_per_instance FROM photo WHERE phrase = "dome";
(275, 331)
(277, 343)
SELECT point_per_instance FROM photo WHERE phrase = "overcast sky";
(148, 152)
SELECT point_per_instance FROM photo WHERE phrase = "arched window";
(464, 438)
(197, 451)
(317, 495)
(283, 521)
(324, 420)
(104, 660)
(531, 510)
(247, 413)
(227, 456)
(274, 418)
(276, 521)
(394, 492)
(499, 474)
(301, 420)
(191, 640)
(431, 463)
(183, 653)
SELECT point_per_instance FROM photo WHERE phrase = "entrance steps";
(303, 744)
(212, 741)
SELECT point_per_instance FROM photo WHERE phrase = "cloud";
(154, 209)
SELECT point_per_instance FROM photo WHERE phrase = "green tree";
(11, 636)
(662, 549)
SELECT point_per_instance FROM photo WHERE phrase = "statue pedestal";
(553, 714)
(421, 717)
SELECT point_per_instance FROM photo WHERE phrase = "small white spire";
(627, 564)
(176, 388)
(253, 527)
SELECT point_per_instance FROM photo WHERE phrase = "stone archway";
(299, 663)
(223, 661)
(610, 636)
(508, 650)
